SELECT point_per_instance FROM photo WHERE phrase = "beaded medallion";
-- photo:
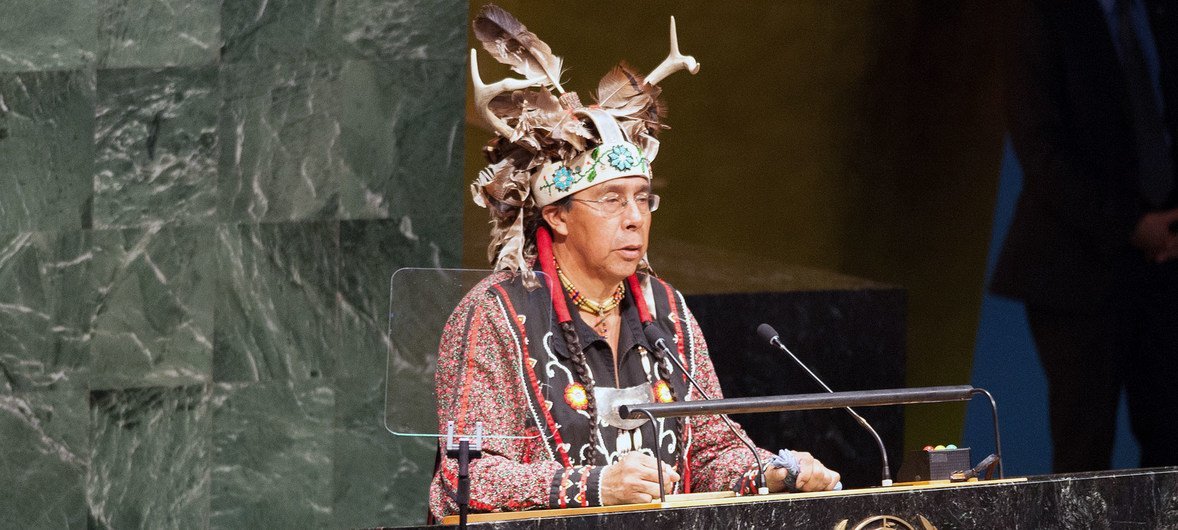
(576, 397)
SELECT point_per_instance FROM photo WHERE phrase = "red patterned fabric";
(482, 375)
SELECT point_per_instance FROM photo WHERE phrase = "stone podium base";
(1114, 499)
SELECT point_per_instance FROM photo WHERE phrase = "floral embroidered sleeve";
(719, 460)
(479, 379)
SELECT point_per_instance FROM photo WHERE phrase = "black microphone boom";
(770, 335)
(825, 400)
(821, 400)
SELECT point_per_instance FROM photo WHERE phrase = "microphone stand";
(883, 452)
(661, 344)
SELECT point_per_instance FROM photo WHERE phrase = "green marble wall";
(201, 203)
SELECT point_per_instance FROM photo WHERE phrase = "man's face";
(607, 247)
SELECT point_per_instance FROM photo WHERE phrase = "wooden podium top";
(692, 500)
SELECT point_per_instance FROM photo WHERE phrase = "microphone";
(770, 335)
(652, 335)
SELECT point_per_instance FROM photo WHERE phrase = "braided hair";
(580, 366)
(661, 361)
(568, 329)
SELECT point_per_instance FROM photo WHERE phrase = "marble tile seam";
(458, 60)
(49, 69)
(156, 68)
(237, 223)
(455, 65)
(193, 387)
(140, 225)
(141, 385)
(337, 33)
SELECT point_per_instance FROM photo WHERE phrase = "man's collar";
(631, 328)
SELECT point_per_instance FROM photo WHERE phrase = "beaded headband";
(613, 158)
(548, 147)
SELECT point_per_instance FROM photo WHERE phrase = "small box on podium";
(933, 464)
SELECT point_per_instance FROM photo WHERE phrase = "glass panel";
(420, 303)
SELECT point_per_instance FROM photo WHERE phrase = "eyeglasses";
(612, 204)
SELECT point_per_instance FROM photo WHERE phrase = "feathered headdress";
(549, 146)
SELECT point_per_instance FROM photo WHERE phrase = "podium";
(1142, 498)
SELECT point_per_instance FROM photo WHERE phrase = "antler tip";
(674, 37)
(675, 61)
(474, 68)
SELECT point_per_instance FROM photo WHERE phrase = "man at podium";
(568, 189)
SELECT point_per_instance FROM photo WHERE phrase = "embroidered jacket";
(503, 361)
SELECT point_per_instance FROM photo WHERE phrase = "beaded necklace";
(601, 309)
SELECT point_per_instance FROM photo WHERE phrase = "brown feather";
(573, 132)
(525, 111)
(621, 91)
(538, 108)
(504, 105)
(513, 241)
(635, 103)
(504, 184)
(510, 42)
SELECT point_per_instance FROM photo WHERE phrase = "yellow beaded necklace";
(600, 309)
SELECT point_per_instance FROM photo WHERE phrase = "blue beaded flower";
(620, 158)
(562, 178)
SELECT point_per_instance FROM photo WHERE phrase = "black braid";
(661, 361)
(582, 369)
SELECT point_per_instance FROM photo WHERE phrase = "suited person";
(1091, 107)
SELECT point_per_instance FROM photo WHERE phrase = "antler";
(483, 94)
(674, 62)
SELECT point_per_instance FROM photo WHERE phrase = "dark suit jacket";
(1069, 119)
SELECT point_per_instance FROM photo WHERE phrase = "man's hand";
(634, 479)
(813, 476)
(1153, 237)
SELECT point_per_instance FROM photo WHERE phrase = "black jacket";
(1069, 119)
